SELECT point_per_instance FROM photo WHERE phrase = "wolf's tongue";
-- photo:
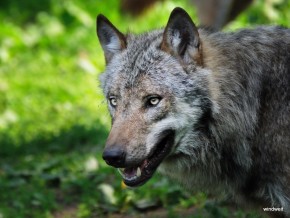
(133, 172)
(130, 172)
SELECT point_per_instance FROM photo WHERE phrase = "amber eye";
(113, 101)
(153, 101)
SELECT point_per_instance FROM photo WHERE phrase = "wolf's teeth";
(138, 172)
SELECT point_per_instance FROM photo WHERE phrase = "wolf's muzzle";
(114, 157)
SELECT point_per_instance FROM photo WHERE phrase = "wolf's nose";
(114, 157)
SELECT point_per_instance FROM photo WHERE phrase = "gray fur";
(231, 112)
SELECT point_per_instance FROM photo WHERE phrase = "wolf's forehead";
(140, 62)
(139, 42)
(142, 50)
(141, 56)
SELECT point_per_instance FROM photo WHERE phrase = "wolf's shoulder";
(250, 35)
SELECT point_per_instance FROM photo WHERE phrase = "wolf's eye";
(153, 101)
(113, 101)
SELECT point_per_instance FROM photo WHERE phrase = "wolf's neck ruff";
(207, 108)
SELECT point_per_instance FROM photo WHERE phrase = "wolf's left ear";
(111, 39)
(181, 38)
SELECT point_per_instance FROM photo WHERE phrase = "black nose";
(114, 157)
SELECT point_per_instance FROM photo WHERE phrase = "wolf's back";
(252, 68)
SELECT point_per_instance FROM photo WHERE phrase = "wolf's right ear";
(111, 39)
(181, 37)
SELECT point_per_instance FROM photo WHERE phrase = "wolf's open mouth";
(138, 175)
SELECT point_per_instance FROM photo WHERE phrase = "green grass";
(53, 117)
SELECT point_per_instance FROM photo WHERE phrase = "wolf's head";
(156, 90)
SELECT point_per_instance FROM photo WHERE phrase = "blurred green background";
(53, 117)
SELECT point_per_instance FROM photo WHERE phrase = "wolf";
(208, 109)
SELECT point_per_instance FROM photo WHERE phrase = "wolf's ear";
(181, 38)
(111, 39)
